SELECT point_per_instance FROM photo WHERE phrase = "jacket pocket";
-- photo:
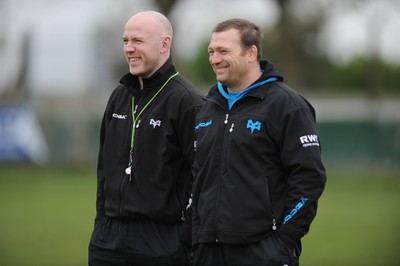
(287, 253)
(245, 204)
(269, 205)
(275, 252)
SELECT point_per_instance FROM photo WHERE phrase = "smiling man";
(140, 43)
(146, 152)
(257, 183)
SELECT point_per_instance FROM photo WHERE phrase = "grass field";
(47, 217)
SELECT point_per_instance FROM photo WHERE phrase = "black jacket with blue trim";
(161, 181)
(258, 165)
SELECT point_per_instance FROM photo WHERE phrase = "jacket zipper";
(231, 128)
(130, 165)
(223, 167)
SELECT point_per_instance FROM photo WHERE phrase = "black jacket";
(258, 165)
(161, 180)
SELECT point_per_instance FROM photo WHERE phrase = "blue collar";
(232, 97)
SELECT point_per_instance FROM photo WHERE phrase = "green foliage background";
(47, 218)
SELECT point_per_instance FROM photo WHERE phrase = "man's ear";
(253, 53)
(166, 44)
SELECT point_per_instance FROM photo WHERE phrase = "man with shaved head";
(146, 151)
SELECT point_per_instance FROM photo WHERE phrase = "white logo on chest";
(155, 123)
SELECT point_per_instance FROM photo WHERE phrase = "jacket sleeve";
(186, 137)
(100, 197)
(301, 158)
(101, 179)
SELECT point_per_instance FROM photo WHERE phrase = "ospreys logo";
(253, 125)
(155, 123)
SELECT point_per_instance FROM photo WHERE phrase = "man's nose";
(214, 58)
(130, 47)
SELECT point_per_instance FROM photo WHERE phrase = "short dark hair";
(250, 33)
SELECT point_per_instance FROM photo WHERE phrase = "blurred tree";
(354, 77)
(292, 45)
(286, 37)
(165, 5)
(200, 71)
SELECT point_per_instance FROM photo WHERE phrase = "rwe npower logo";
(309, 140)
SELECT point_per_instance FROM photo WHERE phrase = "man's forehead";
(142, 23)
(140, 31)
(225, 38)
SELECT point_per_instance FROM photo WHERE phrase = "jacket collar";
(269, 71)
(152, 83)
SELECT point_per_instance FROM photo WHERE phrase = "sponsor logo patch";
(118, 116)
(299, 205)
(309, 140)
(203, 124)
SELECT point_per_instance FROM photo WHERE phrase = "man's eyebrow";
(218, 48)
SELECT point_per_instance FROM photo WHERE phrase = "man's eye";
(211, 53)
(224, 51)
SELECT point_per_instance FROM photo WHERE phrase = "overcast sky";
(369, 28)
